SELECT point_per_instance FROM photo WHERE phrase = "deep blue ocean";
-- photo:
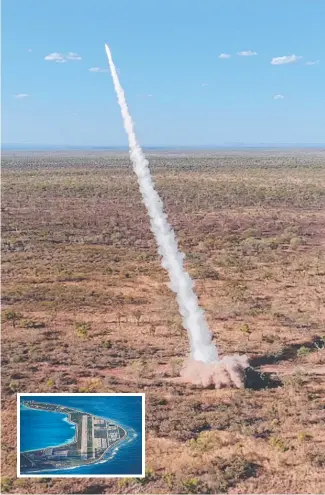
(41, 429)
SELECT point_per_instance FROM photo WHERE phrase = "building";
(99, 422)
(48, 452)
(60, 455)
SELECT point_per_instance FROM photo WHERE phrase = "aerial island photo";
(80, 434)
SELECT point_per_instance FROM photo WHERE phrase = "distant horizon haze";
(230, 146)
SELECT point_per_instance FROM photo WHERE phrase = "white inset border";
(23, 395)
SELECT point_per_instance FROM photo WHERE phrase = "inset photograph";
(80, 435)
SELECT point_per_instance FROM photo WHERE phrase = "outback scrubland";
(87, 308)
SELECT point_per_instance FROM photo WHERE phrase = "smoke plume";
(202, 347)
(203, 368)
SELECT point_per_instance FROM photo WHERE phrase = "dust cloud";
(227, 372)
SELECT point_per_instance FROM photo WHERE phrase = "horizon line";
(40, 147)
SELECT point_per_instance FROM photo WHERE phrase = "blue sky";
(179, 90)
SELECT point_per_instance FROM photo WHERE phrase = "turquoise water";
(41, 429)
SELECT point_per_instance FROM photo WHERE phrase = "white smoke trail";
(202, 347)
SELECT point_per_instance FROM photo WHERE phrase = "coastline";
(75, 438)
(97, 461)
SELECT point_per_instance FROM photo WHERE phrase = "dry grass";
(86, 308)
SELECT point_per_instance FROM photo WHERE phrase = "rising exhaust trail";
(194, 321)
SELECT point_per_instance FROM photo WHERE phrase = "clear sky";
(195, 72)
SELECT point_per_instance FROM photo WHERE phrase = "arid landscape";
(87, 308)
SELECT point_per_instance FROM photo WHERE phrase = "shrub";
(320, 344)
(317, 459)
(14, 386)
(303, 351)
(50, 383)
(94, 385)
(277, 351)
(295, 242)
(137, 315)
(236, 291)
(205, 272)
(169, 479)
(304, 436)
(149, 476)
(10, 315)
(29, 323)
(152, 329)
(245, 329)
(82, 329)
(278, 443)
(21, 483)
(124, 482)
(6, 484)
(206, 441)
(296, 380)
(119, 316)
(141, 368)
(107, 344)
(236, 468)
(192, 485)
(45, 480)
(250, 245)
